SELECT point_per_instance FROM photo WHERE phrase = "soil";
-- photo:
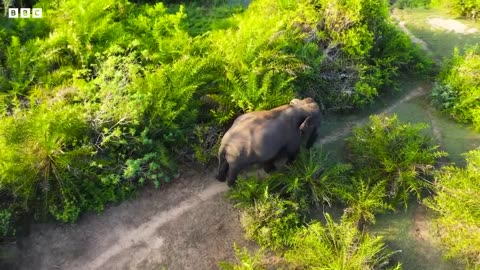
(451, 25)
(188, 224)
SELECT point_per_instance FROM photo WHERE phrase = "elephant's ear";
(306, 124)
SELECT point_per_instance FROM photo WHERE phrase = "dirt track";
(186, 225)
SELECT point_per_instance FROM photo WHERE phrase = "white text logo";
(25, 13)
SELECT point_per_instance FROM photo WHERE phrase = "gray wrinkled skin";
(264, 136)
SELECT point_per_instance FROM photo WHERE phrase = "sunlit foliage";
(458, 210)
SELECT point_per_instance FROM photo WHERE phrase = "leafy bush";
(363, 52)
(41, 147)
(467, 8)
(337, 246)
(394, 154)
(457, 89)
(363, 199)
(310, 180)
(458, 207)
(272, 222)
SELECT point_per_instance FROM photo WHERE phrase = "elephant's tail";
(222, 166)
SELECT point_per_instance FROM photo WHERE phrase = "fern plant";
(364, 199)
(311, 178)
(387, 150)
(337, 246)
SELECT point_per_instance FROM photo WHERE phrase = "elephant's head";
(310, 118)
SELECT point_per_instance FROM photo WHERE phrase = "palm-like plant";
(388, 150)
(337, 246)
(248, 192)
(364, 199)
(311, 178)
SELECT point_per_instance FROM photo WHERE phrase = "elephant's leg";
(291, 156)
(222, 170)
(232, 175)
(269, 166)
(233, 171)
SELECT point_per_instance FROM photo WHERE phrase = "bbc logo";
(25, 13)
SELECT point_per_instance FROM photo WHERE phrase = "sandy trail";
(343, 132)
(451, 25)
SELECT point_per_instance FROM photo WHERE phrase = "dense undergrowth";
(388, 162)
(458, 207)
(466, 8)
(101, 97)
(457, 90)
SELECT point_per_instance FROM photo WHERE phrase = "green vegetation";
(337, 246)
(465, 8)
(458, 207)
(393, 155)
(457, 90)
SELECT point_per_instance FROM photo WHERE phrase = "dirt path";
(187, 225)
(343, 132)
(451, 25)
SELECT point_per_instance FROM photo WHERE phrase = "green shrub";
(44, 153)
(337, 246)
(458, 210)
(310, 179)
(399, 154)
(363, 52)
(250, 191)
(467, 8)
(272, 222)
(364, 199)
(457, 89)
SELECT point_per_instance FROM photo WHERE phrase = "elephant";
(262, 137)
